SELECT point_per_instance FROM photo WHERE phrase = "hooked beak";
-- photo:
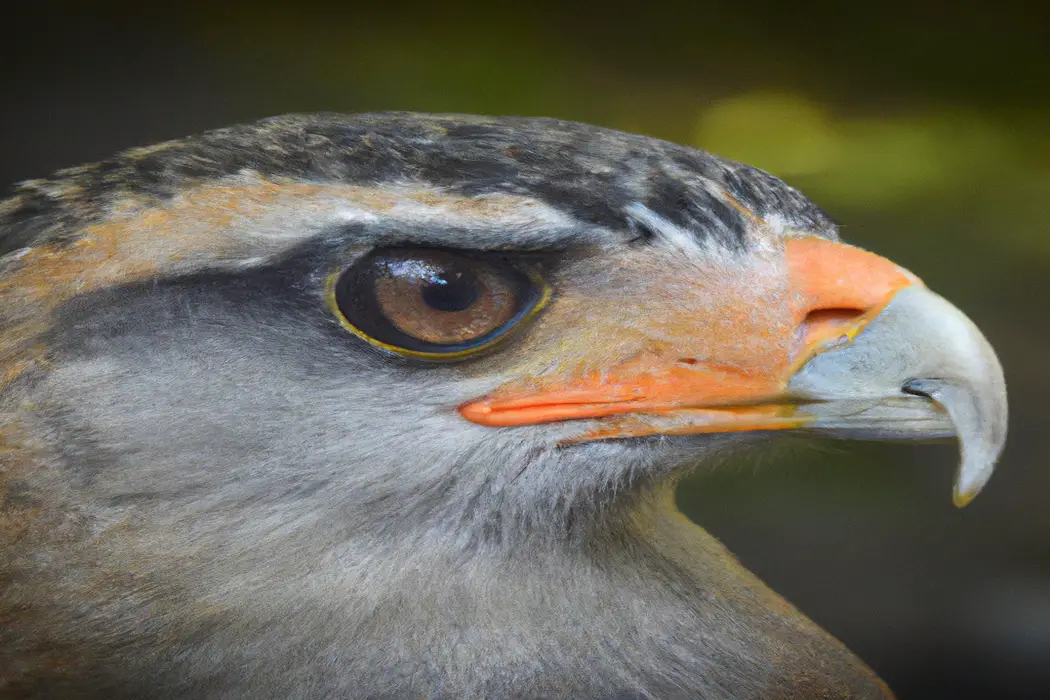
(920, 370)
(861, 350)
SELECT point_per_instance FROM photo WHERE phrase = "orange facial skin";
(750, 346)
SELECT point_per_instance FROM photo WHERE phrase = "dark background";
(924, 128)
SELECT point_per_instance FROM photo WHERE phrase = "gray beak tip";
(963, 492)
(975, 469)
(962, 499)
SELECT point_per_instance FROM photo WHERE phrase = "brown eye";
(435, 304)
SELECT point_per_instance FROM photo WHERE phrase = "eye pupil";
(450, 291)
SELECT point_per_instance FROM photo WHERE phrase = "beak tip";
(961, 499)
(972, 476)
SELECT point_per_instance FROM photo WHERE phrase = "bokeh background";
(924, 128)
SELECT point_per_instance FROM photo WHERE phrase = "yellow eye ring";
(540, 295)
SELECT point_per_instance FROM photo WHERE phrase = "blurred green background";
(922, 127)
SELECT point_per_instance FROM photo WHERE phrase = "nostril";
(688, 361)
(828, 327)
(820, 317)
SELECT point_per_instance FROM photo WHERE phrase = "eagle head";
(393, 406)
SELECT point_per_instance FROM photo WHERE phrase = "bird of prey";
(394, 406)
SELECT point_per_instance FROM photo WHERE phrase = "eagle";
(394, 406)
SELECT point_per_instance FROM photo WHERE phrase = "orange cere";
(829, 292)
(840, 289)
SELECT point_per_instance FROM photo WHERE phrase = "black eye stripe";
(435, 303)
